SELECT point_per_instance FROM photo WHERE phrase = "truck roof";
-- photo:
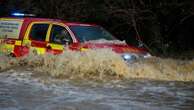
(51, 20)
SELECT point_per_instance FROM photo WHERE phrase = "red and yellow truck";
(20, 35)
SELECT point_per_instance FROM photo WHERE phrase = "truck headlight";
(129, 57)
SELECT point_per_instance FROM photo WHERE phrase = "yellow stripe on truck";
(38, 51)
(83, 49)
(18, 43)
(56, 46)
(6, 48)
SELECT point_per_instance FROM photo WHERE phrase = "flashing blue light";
(18, 14)
(22, 15)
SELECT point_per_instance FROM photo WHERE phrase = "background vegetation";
(165, 26)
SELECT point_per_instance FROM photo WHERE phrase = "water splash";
(163, 69)
(93, 64)
(102, 64)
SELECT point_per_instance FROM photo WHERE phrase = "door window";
(39, 32)
(60, 35)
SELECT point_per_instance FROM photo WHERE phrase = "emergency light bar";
(22, 15)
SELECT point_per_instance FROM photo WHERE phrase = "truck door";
(36, 37)
(59, 39)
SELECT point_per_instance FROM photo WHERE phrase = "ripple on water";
(23, 91)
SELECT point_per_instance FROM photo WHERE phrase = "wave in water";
(101, 64)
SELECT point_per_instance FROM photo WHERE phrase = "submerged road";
(19, 90)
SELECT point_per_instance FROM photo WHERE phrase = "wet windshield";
(87, 33)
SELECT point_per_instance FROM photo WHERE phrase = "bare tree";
(133, 15)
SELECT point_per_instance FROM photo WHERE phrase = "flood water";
(20, 91)
(58, 83)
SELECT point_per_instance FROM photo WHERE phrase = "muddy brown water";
(105, 82)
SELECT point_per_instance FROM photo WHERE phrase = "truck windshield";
(87, 33)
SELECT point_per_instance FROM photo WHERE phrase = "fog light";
(147, 55)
